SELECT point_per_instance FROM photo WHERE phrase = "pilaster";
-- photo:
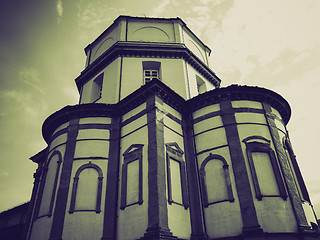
(63, 190)
(157, 202)
(111, 199)
(248, 212)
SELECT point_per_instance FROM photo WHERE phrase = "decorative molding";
(238, 92)
(288, 147)
(75, 188)
(174, 152)
(248, 210)
(264, 148)
(287, 174)
(195, 204)
(133, 153)
(44, 180)
(111, 198)
(228, 186)
(63, 190)
(146, 49)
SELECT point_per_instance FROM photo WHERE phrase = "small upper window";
(150, 75)
(151, 70)
(201, 85)
(96, 92)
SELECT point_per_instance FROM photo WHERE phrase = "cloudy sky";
(269, 43)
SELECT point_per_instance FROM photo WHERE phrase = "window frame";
(75, 188)
(151, 66)
(55, 183)
(174, 152)
(97, 86)
(205, 198)
(130, 156)
(261, 144)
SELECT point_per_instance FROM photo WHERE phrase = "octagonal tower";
(156, 150)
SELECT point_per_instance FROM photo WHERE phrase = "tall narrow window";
(201, 85)
(87, 189)
(131, 183)
(176, 176)
(151, 70)
(215, 180)
(96, 92)
(264, 167)
(50, 178)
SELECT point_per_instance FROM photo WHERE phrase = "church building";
(156, 149)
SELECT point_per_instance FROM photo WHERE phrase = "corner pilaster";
(157, 202)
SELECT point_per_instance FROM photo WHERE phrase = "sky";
(269, 43)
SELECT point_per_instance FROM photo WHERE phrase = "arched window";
(131, 182)
(215, 180)
(87, 189)
(176, 176)
(50, 181)
(264, 167)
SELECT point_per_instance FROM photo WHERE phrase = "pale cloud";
(161, 9)
(31, 76)
(71, 93)
(264, 29)
(26, 103)
(94, 18)
(59, 7)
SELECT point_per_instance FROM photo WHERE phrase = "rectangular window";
(265, 174)
(131, 183)
(96, 92)
(201, 85)
(265, 170)
(151, 70)
(150, 75)
(176, 176)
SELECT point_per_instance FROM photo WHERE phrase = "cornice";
(238, 92)
(40, 156)
(154, 87)
(77, 111)
(171, 98)
(145, 49)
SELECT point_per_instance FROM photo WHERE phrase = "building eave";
(146, 49)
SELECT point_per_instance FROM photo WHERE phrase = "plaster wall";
(41, 229)
(106, 41)
(59, 140)
(210, 138)
(102, 120)
(195, 46)
(246, 104)
(192, 73)
(150, 31)
(171, 73)
(110, 86)
(62, 126)
(229, 222)
(203, 111)
(86, 92)
(79, 220)
(49, 185)
(178, 216)
(274, 214)
(133, 220)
